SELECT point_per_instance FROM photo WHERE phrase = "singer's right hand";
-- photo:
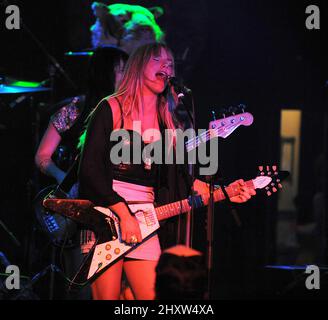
(130, 230)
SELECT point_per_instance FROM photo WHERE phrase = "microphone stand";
(11, 235)
(189, 215)
(210, 223)
(209, 236)
(53, 67)
(210, 212)
(50, 268)
(210, 220)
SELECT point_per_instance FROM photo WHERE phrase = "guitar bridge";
(149, 218)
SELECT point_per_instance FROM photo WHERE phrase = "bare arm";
(47, 147)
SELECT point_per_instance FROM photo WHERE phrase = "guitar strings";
(207, 133)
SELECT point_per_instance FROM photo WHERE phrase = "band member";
(143, 95)
(63, 132)
(104, 73)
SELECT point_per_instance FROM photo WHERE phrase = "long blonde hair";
(129, 90)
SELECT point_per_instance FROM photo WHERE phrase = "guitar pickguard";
(107, 253)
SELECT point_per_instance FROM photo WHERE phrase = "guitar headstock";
(225, 126)
(276, 176)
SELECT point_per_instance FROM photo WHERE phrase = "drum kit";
(13, 92)
(20, 90)
(10, 85)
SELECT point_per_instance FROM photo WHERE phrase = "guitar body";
(109, 246)
(58, 228)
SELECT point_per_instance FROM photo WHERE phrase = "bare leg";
(108, 285)
(141, 276)
(126, 292)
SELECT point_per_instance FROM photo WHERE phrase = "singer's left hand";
(200, 187)
(245, 193)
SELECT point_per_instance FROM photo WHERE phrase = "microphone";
(178, 86)
(181, 90)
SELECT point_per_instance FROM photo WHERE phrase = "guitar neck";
(175, 208)
(193, 143)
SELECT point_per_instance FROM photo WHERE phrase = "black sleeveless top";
(97, 170)
(136, 168)
(143, 172)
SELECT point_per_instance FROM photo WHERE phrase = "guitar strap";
(70, 179)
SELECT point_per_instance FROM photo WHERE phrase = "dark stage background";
(254, 52)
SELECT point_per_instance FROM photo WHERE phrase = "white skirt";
(150, 249)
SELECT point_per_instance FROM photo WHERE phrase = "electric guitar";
(62, 231)
(109, 246)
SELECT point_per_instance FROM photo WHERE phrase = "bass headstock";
(225, 126)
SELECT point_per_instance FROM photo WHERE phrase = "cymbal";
(5, 89)
(10, 81)
(89, 51)
(78, 53)
(11, 86)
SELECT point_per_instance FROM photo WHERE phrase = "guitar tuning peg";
(213, 115)
(260, 168)
(232, 110)
(242, 107)
(279, 185)
(269, 193)
(274, 189)
(223, 111)
(274, 168)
